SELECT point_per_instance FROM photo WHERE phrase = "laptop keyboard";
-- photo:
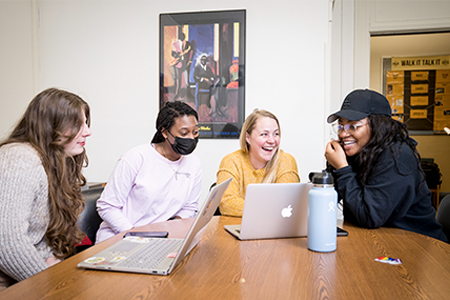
(153, 254)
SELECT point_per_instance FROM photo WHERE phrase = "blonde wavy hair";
(247, 128)
(52, 120)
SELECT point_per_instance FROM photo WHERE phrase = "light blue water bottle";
(322, 213)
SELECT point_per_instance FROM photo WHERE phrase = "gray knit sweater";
(24, 212)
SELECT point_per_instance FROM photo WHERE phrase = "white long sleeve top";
(145, 188)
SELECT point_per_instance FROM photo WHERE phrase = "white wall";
(17, 61)
(107, 52)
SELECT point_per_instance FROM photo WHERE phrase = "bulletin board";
(418, 90)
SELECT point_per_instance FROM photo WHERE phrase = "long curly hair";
(168, 114)
(247, 128)
(53, 119)
(385, 133)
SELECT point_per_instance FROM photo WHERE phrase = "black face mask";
(183, 146)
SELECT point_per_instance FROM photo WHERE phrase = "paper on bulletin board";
(418, 113)
(395, 88)
(416, 76)
(443, 76)
(442, 113)
(442, 88)
(395, 93)
(395, 77)
(396, 103)
(441, 117)
(442, 100)
(442, 107)
(419, 100)
(395, 82)
(440, 125)
(419, 88)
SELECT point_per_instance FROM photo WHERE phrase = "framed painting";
(202, 63)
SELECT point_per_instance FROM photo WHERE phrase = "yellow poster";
(418, 113)
(395, 88)
(396, 103)
(442, 100)
(441, 117)
(415, 76)
(419, 88)
(419, 100)
(442, 113)
(442, 88)
(420, 63)
(395, 77)
(443, 76)
(439, 125)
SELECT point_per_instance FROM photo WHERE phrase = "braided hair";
(168, 114)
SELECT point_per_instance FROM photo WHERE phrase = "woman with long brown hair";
(260, 160)
(40, 180)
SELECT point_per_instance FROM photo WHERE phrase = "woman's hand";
(335, 155)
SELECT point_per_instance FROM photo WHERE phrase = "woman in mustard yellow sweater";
(260, 160)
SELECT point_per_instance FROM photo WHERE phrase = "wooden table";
(221, 267)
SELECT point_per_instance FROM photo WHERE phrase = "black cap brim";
(351, 115)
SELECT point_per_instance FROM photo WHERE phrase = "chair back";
(89, 219)
(443, 215)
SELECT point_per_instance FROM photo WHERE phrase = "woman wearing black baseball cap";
(377, 168)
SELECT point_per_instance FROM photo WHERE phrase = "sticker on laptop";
(389, 260)
(117, 259)
(94, 260)
(172, 255)
(137, 239)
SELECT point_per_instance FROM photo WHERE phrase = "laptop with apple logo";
(273, 210)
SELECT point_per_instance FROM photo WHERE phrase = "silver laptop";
(156, 255)
(273, 210)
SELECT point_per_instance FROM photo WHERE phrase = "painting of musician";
(202, 58)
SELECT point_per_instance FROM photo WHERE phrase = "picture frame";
(202, 63)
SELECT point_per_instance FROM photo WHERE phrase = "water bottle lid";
(321, 177)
